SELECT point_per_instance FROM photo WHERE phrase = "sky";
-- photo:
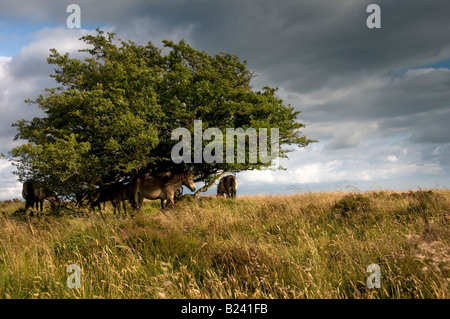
(378, 100)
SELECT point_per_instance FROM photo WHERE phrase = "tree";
(113, 113)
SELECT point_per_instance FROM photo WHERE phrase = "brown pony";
(228, 186)
(115, 193)
(160, 186)
(33, 193)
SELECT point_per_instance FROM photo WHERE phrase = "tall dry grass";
(315, 245)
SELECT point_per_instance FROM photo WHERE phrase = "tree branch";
(208, 186)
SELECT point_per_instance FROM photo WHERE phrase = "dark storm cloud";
(320, 36)
(381, 97)
(425, 127)
(300, 44)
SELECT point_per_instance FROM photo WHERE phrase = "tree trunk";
(208, 186)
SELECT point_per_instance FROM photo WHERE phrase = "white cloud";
(10, 186)
(373, 161)
(31, 61)
(392, 158)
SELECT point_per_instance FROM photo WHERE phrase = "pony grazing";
(160, 186)
(33, 193)
(228, 186)
(115, 193)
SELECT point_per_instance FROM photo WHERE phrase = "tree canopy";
(113, 112)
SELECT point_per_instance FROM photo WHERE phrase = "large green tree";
(112, 115)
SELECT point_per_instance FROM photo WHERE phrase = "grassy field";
(314, 245)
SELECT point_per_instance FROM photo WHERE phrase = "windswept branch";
(208, 185)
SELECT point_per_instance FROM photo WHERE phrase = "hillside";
(314, 245)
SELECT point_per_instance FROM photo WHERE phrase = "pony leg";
(136, 201)
(170, 202)
(32, 206)
(99, 209)
(114, 203)
(27, 207)
(124, 209)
